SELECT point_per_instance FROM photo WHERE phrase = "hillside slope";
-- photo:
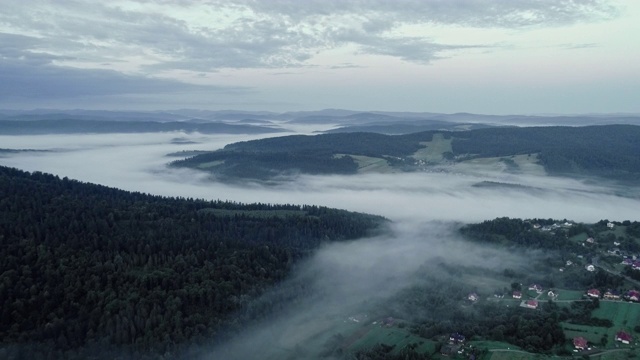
(85, 267)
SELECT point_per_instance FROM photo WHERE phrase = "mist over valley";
(341, 292)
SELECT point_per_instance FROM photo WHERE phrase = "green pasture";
(510, 355)
(563, 295)
(372, 164)
(392, 336)
(434, 149)
(492, 345)
(592, 333)
(614, 355)
(625, 316)
(580, 238)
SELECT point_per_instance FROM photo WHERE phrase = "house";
(627, 261)
(537, 288)
(610, 225)
(616, 243)
(456, 338)
(569, 262)
(591, 240)
(517, 295)
(552, 294)
(623, 337)
(612, 295)
(633, 295)
(590, 267)
(473, 297)
(594, 293)
(531, 304)
(636, 265)
(580, 343)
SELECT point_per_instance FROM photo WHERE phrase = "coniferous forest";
(86, 268)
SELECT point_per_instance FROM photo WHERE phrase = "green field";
(510, 355)
(625, 316)
(372, 164)
(525, 164)
(434, 149)
(377, 334)
(580, 238)
(591, 333)
(563, 295)
(617, 355)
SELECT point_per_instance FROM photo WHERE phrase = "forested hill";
(609, 151)
(86, 269)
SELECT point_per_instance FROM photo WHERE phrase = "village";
(601, 255)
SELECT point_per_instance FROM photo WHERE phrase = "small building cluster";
(631, 295)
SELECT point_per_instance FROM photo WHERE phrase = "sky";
(480, 56)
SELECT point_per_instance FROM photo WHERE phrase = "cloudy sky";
(482, 56)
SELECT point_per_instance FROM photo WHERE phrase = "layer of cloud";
(200, 36)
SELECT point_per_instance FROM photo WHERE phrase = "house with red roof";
(624, 337)
(580, 343)
(594, 293)
(517, 295)
(531, 304)
(633, 295)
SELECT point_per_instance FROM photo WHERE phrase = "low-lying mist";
(138, 163)
(353, 279)
(340, 279)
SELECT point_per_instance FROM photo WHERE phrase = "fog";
(341, 278)
(138, 163)
(350, 279)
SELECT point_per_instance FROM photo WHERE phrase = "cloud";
(197, 36)
(29, 75)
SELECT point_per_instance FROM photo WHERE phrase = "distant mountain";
(66, 125)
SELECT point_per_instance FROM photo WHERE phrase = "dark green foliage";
(266, 165)
(83, 265)
(368, 144)
(517, 232)
(609, 151)
(319, 154)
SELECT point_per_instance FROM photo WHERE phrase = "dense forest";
(87, 268)
(608, 151)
